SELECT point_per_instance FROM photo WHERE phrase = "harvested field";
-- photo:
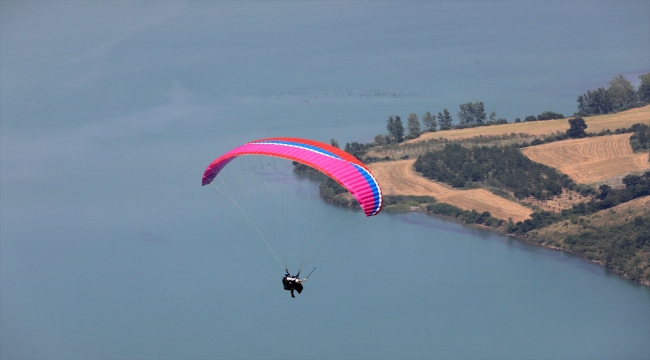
(623, 119)
(590, 160)
(595, 124)
(483, 200)
(399, 178)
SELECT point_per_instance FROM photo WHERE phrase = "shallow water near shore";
(110, 248)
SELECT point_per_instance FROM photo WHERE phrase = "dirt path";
(591, 159)
(399, 178)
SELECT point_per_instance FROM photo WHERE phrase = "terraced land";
(590, 160)
(595, 124)
(587, 161)
(399, 178)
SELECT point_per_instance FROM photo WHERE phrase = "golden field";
(592, 159)
(399, 178)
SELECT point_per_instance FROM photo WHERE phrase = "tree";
(530, 118)
(495, 121)
(620, 95)
(395, 128)
(390, 125)
(479, 112)
(382, 139)
(644, 88)
(399, 129)
(414, 126)
(445, 120)
(631, 180)
(429, 121)
(334, 143)
(577, 128)
(622, 92)
(355, 149)
(472, 113)
(641, 138)
(598, 101)
(466, 113)
(604, 190)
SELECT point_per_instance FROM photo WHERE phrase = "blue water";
(110, 111)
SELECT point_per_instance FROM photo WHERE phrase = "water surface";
(110, 248)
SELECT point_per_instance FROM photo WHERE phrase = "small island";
(579, 184)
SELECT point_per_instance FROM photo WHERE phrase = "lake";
(110, 112)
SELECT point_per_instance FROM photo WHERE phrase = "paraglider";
(347, 170)
(292, 283)
(335, 163)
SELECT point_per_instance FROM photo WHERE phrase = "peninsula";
(579, 184)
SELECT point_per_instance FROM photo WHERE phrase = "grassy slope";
(597, 237)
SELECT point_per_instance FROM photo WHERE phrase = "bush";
(577, 128)
(469, 217)
(444, 209)
(549, 115)
(641, 138)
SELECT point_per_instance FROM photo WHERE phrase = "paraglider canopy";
(342, 167)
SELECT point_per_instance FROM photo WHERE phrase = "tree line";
(640, 140)
(619, 96)
(471, 114)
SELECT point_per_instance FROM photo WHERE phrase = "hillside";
(579, 195)
(595, 124)
(618, 238)
(593, 160)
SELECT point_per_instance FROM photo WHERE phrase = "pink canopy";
(344, 168)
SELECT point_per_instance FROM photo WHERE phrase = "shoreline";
(497, 230)
(524, 239)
